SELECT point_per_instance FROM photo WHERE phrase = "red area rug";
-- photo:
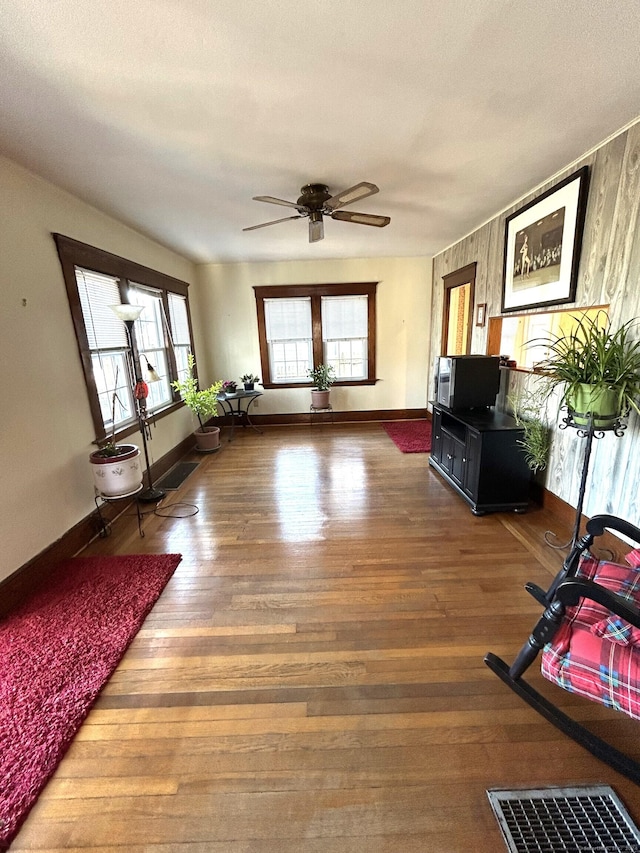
(56, 653)
(410, 436)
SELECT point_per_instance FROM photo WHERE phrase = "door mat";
(575, 820)
(174, 478)
(409, 436)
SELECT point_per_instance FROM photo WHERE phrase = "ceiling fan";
(316, 202)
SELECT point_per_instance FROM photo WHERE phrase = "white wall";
(46, 431)
(229, 331)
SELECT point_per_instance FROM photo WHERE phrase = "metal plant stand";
(589, 433)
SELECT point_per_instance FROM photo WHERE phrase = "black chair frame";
(565, 591)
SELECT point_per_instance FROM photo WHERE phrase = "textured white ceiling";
(172, 114)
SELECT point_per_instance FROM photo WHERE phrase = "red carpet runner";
(56, 653)
(410, 436)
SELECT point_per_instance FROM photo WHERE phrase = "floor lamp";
(129, 314)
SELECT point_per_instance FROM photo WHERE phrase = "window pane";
(114, 391)
(348, 358)
(290, 361)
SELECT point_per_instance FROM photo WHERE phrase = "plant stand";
(317, 410)
(105, 526)
(589, 433)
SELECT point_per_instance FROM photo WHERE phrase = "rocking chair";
(589, 635)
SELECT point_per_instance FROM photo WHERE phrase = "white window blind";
(288, 319)
(179, 320)
(289, 338)
(97, 292)
(344, 317)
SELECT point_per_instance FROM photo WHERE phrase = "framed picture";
(542, 246)
(481, 313)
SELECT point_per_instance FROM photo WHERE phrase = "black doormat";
(573, 820)
(174, 478)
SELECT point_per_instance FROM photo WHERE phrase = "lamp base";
(151, 496)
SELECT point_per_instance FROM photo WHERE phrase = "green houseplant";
(204, 405)
(249, 380)
(527, 406)
(596, 367)
(323, 376)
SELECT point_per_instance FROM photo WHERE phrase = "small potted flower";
(229, 387)
(249, 380)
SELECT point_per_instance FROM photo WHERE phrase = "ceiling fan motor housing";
(314, 196)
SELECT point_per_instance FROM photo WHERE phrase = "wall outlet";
(256, 403)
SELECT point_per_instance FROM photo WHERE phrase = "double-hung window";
(302, 326)
(162, 338)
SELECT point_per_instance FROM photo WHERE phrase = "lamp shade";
(127, 312)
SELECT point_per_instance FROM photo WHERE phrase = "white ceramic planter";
(117, 476)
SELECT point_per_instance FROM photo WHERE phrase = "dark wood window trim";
(316, 292)
(464, 275)
(72, 254)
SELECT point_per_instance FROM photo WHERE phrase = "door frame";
(464, 275)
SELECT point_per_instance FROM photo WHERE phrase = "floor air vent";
(564, 820)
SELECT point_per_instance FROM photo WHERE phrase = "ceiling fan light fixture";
(316, 226)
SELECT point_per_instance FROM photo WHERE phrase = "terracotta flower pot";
(207, 439)
(319, 399)
(117, 476)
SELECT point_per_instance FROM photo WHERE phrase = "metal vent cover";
(564, 820)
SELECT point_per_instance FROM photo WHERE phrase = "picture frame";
(542, 245)
(481, 313)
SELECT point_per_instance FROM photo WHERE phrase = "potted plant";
(597, 368)
(116, 468)
(323, 376)
(527, 407)
(249, 380)
(204, 405)
(229, 387)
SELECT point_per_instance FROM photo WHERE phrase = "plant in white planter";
(116, 468)
(204, 405)
(323, 376)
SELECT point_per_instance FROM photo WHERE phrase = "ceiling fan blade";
(316, 230)
(361, 218)
(271, 200)
(361, 190)
(273, 222)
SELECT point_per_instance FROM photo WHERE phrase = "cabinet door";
(436, 435)
(473, 456)
(452, 457)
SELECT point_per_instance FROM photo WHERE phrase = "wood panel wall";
(609, 273)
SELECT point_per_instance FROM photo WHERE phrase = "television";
(467, 381)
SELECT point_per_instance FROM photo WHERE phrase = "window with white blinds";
(344, 335)
(288, 331)
(301, 326)
(95, 280)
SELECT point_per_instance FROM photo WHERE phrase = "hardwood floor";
(311, 679)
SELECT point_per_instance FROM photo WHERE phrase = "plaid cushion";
(594, 653)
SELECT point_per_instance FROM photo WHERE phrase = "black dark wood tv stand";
(477, 453)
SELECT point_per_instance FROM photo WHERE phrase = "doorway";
(457, 319)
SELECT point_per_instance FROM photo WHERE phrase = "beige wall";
(229, 332)
(46, 429)
(609, 273)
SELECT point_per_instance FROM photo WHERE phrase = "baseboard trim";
(297, 418)
(15, 588)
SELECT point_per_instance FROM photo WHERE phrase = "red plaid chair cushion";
(595, 653)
